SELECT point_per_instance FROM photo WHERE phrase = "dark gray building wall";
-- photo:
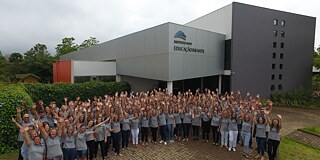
(252, 49)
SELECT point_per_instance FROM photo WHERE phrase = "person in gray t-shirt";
(274, 136)
(81, 145)
(35, 148)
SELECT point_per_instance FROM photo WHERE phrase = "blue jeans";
(163, 132)
(69, 153)
(170, 128)
(261, 144)
(246, 140)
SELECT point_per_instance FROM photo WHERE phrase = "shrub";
(56, 92)
(302, 96)
(10, 97)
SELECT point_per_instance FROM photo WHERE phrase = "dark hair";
(263, 120)
(277, 127)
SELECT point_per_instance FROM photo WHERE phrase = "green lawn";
(293, 150)
(10, 156)
(314, 130)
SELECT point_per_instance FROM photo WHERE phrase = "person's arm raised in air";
(19, 119)
(98, 125)
(24, 132)
(16, 123)
(43, 133)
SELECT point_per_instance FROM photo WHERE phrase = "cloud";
(25, 23)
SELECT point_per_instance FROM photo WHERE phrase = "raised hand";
(18, 110)
(279, 116)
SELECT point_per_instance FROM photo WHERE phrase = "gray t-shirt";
(36, 151)
(154, 121)
(224, 124)
(196, 120)
(177, 118)
(233, 125)
(89, 137)
(69, 141)
(53, 146)
(170, 118)
(162, 119)
(261, 131)
(135, 123)
(126, 124)
(204, 117)
(99, 133)
(187, 118)
(81, 142)
(115, 126)
(274, 134)
(107, 127)
(23, 124)
(246, 126)
(145, 121)
(215, 121)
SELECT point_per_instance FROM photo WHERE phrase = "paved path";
(310, 139)
(293, 119)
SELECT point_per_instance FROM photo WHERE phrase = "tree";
(316, 58)
(66, 46)
(39, 62)
(4, 74)
(88, 43)
(15, 57)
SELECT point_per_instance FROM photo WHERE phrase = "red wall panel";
(62, 71)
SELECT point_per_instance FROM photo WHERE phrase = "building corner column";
(118, 78)
(170, 86)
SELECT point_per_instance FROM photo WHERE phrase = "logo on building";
(180, 35)
(184, 46)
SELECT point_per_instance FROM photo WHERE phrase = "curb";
(309, 132)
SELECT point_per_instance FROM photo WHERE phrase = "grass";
(294, 150)
(314, 130)
(10, 156)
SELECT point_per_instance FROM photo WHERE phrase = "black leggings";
(186, 129)
(205, 130)
(91, 148)
(179, 129)
(195, 132)
(154, 133)
(144, 134)
(107, 146)
(116, 142)
(102, 147)
(272, 148)
(125, 138)
(215, 134)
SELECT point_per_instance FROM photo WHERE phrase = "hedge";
(12, 95)
(56, 92)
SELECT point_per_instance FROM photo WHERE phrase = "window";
(275, 22)
(279, 87)
(273, 66)
(282, 33)
(280, 76)
(272, 77)
(283, 23)
(274, 44)
(275, 33)
(282, 45)
(274, 55)
(272, 87)
(281, 66)
(281, 55)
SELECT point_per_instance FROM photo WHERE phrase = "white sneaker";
(229, 149)
(165, 143)
(183, 139)
(161, 141)
(172, 141)
(233, 149)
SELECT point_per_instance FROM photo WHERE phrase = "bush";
(10, 97)
(56, 92)
(302, 96)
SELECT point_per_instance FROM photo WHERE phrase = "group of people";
(76, 129)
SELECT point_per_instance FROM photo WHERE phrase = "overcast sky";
(27, 22)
